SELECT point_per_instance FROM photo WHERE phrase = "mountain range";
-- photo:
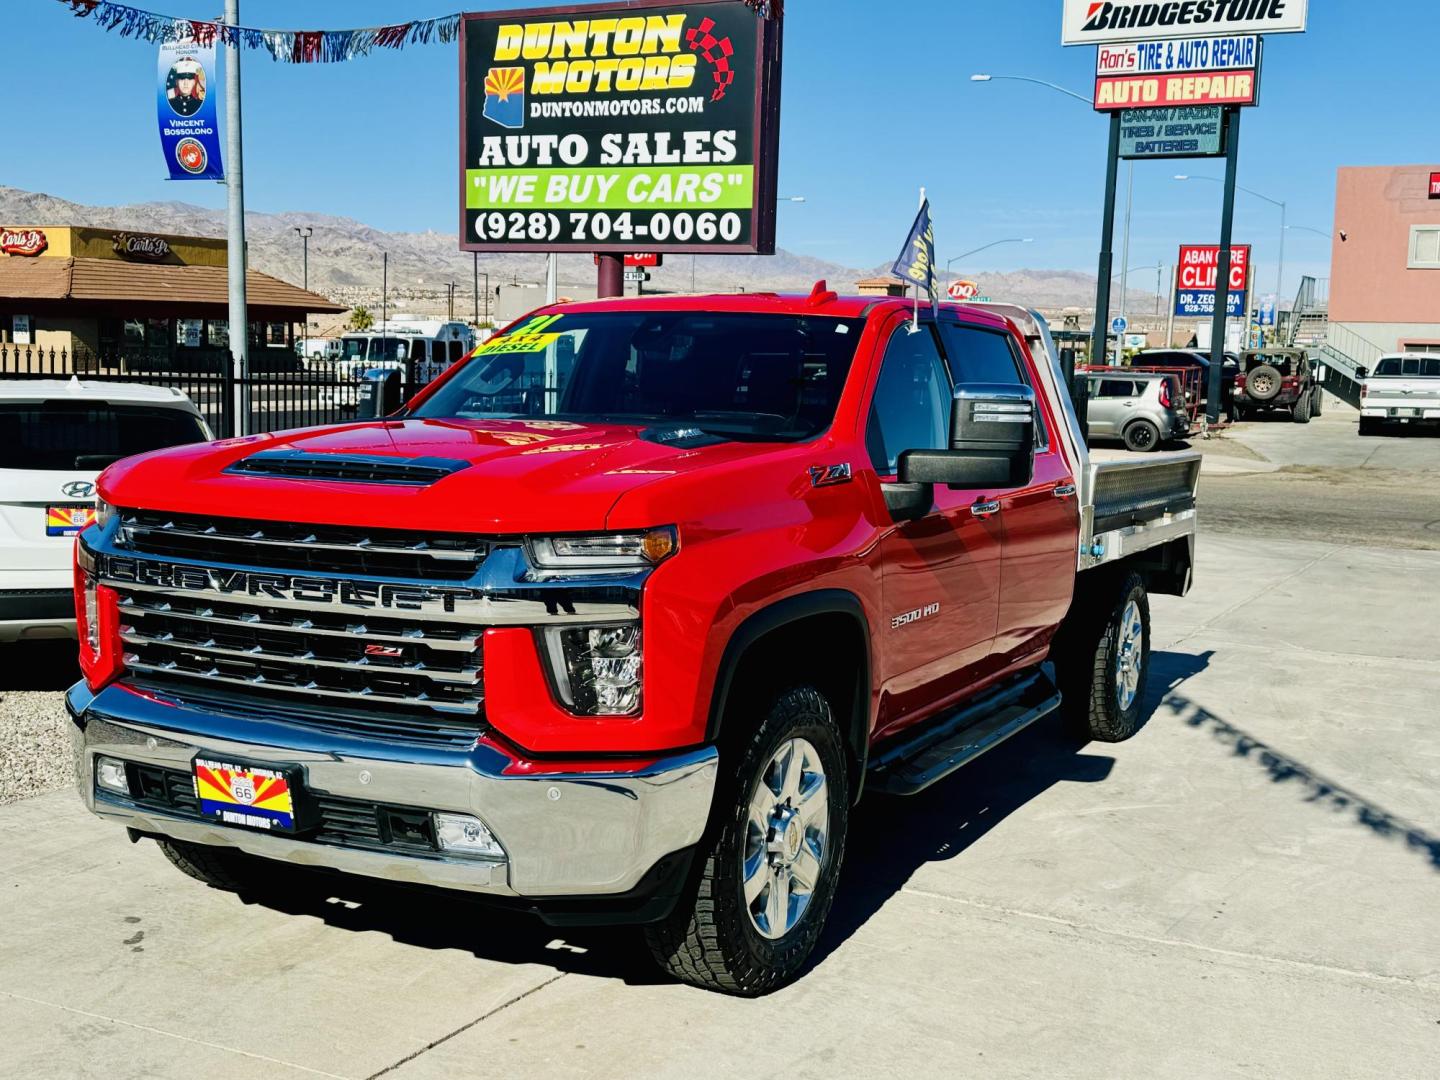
(345, 258)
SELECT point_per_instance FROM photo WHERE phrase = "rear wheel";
(1142, 436)
(1103, 659)
(1237, 413)
(1369, 425)
(1300, 412)
(771, 860)
(1317, 402)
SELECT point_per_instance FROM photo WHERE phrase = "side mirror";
(992, 441)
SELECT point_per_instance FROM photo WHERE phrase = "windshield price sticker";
(649, 124)
(530, 338)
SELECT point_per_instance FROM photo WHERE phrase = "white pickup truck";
(55, 438)
(1402, 388)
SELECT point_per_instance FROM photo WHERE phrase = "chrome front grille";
(287, 655)
(282, 545)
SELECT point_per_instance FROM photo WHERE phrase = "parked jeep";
(1276, 379)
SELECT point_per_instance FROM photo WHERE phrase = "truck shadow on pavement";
(1309, 785)
(890, 839)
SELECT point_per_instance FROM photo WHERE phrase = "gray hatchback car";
(1145, 409)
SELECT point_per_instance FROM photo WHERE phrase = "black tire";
(1300, 412)
(1237, 413)
(1088, 655)
(711, 940)
(1269, 382)
(1317, 402)
(1369, 425)
(1142, 436)
(218, 867)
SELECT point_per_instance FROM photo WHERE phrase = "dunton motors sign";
(1096, 22)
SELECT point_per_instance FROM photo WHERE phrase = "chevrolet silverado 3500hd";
(617, 617)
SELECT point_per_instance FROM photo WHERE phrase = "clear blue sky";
(877, 101)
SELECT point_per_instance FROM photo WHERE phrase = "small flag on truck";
(916, 263)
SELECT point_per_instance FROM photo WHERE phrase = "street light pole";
(986, 247)
(235, 228)
(1280, 267)
(305, 234)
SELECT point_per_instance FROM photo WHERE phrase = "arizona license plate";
(68, 520)
(245, 795)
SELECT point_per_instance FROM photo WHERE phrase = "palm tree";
(361, 319)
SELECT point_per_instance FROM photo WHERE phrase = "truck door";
(1041, 519)
(940, 575)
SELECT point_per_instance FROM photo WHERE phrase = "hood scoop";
(348, 468)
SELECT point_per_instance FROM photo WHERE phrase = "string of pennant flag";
(292, 46)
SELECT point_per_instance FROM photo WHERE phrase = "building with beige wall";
(111, 298)
(1385, 268)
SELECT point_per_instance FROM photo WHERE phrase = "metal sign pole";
(235, 228)
(1222, 271)
(1107, 263)
(610, 278)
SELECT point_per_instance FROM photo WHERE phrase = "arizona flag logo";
(505, 97)
(256, 797)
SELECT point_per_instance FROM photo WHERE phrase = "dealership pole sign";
(1087, 22)
(1196, 275)
(1158, 74)
(620, 127)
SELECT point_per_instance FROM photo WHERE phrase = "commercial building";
(1385, 270)
(103, 297)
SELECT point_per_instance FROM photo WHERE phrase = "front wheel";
(773, 857)
(218, 867)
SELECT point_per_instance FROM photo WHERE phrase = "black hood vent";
(348, 468)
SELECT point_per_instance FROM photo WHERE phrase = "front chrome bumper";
(565, 834)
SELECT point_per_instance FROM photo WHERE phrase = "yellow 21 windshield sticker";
(534, 336)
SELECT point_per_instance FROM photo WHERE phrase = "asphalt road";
(1277, 480)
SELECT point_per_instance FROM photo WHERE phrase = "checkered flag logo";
(717, 51)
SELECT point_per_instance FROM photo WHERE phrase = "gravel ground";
(34, 742)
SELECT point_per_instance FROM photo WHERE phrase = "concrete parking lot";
(1246, 888)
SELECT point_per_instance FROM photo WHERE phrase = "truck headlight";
(597, 669)
(561, 556)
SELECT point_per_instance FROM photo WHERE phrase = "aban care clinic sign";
(1088, 22)
(1167, 74)
(620, 128)
(1196, 274)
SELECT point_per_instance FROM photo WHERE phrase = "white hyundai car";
(56, 436)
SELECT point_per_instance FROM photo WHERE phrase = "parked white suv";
(55, 439)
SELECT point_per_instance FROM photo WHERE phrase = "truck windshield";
(88, 435)
(738, 374)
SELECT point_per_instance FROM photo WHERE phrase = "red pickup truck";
(617, 618)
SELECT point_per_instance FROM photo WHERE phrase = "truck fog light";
(466, 835)
(597, 669)
(110, 775)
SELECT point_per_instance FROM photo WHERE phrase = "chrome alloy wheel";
(1129, 655)
(786, 838)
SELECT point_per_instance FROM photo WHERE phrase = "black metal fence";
(280, 392)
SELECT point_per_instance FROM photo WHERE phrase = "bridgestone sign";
(1095, 22)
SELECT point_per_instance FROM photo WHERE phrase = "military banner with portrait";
(185, 106)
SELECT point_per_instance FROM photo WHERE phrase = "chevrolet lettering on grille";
(432, 599)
